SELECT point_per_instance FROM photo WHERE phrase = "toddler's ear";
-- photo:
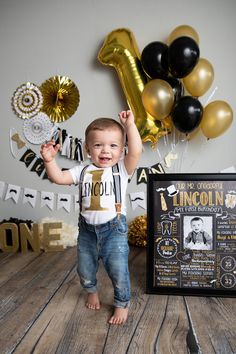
(88, 155)
(86, 151)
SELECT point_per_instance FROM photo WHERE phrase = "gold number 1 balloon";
(120, 50)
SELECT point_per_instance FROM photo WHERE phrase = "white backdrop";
(40, 39)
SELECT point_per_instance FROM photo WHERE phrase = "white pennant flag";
(168, 159)
(47, 199)
(138, 199)
(29, 196)
(76, 202)
(13, 192)
(63, 201)
(2, 184)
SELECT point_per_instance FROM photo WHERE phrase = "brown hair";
(103, 124)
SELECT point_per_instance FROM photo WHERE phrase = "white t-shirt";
(98, 196)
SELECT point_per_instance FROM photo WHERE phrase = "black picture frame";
(191, 234)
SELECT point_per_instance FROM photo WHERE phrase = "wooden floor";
(42, 311)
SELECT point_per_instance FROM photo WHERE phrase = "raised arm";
(55, 174)
(134, 141)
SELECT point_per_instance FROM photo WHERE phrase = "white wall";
(40, 39)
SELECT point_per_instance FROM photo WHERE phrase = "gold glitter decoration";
(137, 232)
(60, 98)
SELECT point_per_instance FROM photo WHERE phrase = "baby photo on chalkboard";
(198, 231)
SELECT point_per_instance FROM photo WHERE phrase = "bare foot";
(92, 302)
(120, 316)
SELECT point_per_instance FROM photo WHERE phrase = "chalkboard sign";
(191, 234)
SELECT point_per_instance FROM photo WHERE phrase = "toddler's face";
(105, 146)
(197, 225)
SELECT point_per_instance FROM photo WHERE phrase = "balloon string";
(203, 144)
(183, 155)
(178, 148)
(211, 95)
(165, 142)
(159, 154)
(166, 133)
(173, 139)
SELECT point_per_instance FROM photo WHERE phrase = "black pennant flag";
(38, 166)
(28, 157)
(142, 172)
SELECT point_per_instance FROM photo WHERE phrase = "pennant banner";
(29, 196)
(72, 148)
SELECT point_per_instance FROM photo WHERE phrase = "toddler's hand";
(49, 151)
(126, 118)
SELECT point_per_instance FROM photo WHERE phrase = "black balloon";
(177, 87)
(187, 114)
(183, 55)
(154, 59)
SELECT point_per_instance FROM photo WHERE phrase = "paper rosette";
(60, 98)
(27, 100)
(38, 129)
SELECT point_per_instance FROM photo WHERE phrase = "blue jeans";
(109, 243)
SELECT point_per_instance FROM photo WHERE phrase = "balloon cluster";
(163, 96)
(154, 83)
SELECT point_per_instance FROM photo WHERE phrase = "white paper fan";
(27, 100)
(38, 129)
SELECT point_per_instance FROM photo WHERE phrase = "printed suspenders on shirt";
(117, 187)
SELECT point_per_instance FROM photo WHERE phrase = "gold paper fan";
(60, 98)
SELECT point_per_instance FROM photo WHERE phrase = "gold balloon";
(217, 118)
(120, 51)
(200, 79)
(183, 31)
(158, 98)
(60, 98)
